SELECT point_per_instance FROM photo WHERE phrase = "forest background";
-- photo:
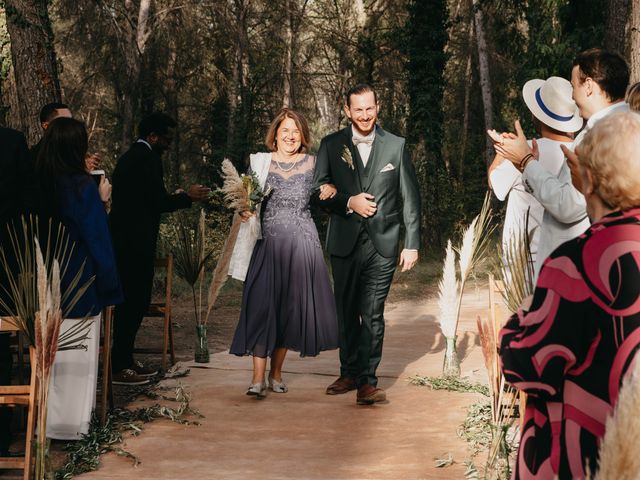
(445, 71)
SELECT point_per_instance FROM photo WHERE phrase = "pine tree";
(427, 37)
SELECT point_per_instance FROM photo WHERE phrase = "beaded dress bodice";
(286, 211)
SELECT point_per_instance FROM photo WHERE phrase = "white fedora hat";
(550, 102)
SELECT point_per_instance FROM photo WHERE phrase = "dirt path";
(306, 434)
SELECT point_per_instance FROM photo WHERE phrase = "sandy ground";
(305, 434)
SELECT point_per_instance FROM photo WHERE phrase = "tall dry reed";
(619, 459)
(471, 253)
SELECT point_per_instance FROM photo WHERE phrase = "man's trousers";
(361, 284)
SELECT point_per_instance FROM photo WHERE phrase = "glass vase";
(201, 354)
(43, 468)
(451, 364)
(498, 466)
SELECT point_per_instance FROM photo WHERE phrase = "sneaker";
(128, 377)
(143, 371)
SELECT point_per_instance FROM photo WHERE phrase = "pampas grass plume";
(619, 459)
(222, 265)
(448, 297)
(233, 188)
(467, 249)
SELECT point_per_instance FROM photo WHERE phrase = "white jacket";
(250, 230)
(565, 209)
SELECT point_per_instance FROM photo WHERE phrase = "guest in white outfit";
(71, 197)
(599, 81)
(556, 117)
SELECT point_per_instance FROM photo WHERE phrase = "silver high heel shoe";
(277, 387)
(259, 390)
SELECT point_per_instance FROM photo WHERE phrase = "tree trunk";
(485, 80)
(34, 63)
(634, 42)
(360, 14)
(138, 33)
(617, 15)
(236, 87)
(287, 97)
(173, 109)
(468, 81)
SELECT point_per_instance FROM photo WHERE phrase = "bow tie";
(362, 140)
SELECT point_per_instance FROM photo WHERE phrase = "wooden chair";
(496, 312)
(106, 392)
(18, 345)
(163, 310)
(25, 395)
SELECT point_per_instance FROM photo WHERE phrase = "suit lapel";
(375, 157)
(354, 155)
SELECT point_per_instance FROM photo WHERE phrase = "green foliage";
(217, 220)
(538, 39)
(219, 68)
(426, 60)
(84, 455)
(451, 384)
(476, 428)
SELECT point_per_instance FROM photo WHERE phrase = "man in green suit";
(377, 187)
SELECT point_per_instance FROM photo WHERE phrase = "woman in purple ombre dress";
(571, 346)
(287, 302)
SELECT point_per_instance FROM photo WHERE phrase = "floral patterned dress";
(571, 350)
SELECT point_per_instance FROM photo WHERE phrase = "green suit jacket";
(389, 176)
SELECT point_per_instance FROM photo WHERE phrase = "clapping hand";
(328, 190)
(513, 147)
(572, 162)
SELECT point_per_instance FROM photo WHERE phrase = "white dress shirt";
(140, 140)
(363, 144)
(596, 117)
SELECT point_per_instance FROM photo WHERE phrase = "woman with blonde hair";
(570, 345)
(287, 302)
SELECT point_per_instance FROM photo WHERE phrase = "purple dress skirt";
(287, 299)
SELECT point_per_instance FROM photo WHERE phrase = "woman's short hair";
(611, 152)
(301, 123)
(633, 97)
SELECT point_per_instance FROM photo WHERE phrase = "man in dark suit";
(377, 187)
(139, 198)
(48, 114)
(14, 163)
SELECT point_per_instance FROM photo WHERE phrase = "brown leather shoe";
(368, 395)
(341, 385)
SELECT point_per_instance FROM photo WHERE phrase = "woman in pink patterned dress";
(570, 349)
